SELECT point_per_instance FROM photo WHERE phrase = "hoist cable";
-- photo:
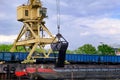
(28, 2)
(58, 14)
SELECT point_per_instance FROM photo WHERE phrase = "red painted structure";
(31, 70)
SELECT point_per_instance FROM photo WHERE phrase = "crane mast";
(34, 34)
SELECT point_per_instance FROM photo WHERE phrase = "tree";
(20, 49)
(5, 47)
(86, 49)
(105, 49)
(70, 51)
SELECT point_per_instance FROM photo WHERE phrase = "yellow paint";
(30, 36)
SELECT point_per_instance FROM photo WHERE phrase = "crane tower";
(34, 34)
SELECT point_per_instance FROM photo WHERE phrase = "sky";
(82, 21)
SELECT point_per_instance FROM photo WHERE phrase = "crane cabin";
(32, 11)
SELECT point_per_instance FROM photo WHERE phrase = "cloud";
(82, 21)
(102, 26)
(105, 26)
(48, 2)
(84, 33)
(82, 30)
(87, 8)
(7, 39)
(2, 16)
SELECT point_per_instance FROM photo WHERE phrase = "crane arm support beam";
(41, 41)
(31, 30)
(45, 28)
(31, 52)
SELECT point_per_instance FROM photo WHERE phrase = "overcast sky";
(82, 21)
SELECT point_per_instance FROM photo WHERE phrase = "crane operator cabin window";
(26, 12)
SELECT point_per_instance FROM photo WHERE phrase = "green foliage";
(105, 49)
(70, 52)
(86, 49)
(118, 49)
(20, 49)
(5, 47)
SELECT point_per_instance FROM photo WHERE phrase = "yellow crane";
(34, 34)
